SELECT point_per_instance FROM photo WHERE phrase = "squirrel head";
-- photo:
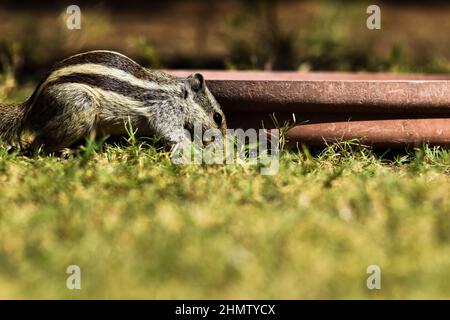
(207, 109)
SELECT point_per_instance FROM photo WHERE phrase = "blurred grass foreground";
(139, 226)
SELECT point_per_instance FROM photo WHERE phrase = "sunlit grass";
(141, 227)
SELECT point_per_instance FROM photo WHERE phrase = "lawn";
(139, 226)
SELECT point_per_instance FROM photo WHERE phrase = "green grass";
(141, 227)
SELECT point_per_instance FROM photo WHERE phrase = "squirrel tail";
(12, 118)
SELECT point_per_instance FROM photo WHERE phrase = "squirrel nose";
(217, 118)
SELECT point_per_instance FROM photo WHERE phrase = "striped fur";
(100, 90)
(11, 118)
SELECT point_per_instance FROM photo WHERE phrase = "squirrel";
(99, 91)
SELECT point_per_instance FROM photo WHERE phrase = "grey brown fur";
(99, 91)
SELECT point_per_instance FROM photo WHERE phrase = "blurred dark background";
(268, 34)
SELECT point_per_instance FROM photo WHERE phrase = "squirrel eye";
(217, 118)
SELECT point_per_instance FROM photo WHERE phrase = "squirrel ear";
(196, 81)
